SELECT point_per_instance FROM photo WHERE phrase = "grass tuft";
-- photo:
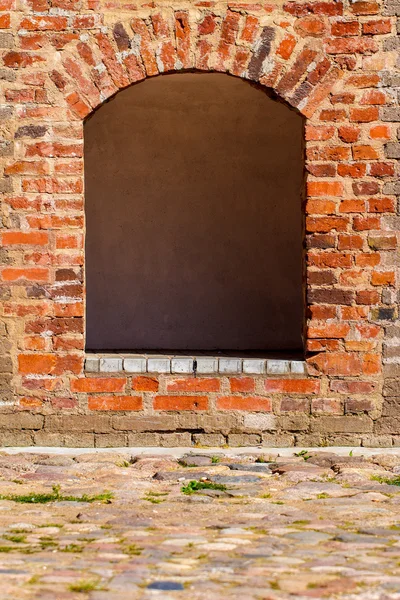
(388, 480)
(56, 496)
(85, 585)
(195, 486)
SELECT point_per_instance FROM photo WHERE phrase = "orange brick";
(352, 206)
(98, 384)
(242, 384)
(292, 386)
(115, 403)
(34, 238)
(380, 132)
(49, 364)
(371, 364)
(337, 363)
(374, 97)
(319, 133)
(286, 47)
(381, 205)
(331, 330)
(180, 403)
(377, 27)
(368, 259)
(348, 133)
(364, 115)
(350, 242)
(324, 188)
(193, 384)
(251, 403)
(364, 153)
(145, 384)
(38, 274)
(383, 278)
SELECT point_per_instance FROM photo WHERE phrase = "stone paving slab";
(134, 525)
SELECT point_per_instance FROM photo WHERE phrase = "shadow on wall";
(193, 213)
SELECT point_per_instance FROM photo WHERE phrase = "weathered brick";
(342, 424)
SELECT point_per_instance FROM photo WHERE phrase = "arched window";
(193, 191)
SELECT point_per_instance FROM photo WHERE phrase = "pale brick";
(347, 424)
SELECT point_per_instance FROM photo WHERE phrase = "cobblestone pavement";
(116, 525)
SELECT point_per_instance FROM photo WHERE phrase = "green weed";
(195, 486)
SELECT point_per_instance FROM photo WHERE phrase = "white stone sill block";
(202, 365)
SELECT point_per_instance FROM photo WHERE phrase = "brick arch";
(95, 68)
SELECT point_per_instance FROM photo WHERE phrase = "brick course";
(333, 62)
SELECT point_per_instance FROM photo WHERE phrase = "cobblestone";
(123, 525)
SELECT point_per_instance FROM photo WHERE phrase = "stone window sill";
(202, 365)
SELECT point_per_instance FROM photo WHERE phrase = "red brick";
(350, 242)
(49, 364)
(115, 403)
(242, 384)
(383, 278)
(324, 188)
(192, 384)
(374, 97)
(337, 364)
(326, 224)
(343, 98)
(381, 205)
(334, 115)
(380, 132)
(349, 133)
(345, 28)
(251, 403)
(352, 387)
(365, 188)
(249, 32)
(354, 170)
(371, 364)
(295, 405)
(319, 133)
(368, 259)
(359, 80)
(21, 60)
(377, 27)
(180, 403)
(208, 25)
(330, 260)
(16, 238)
(352, 206)
(286, 47)
(44, 23)
(381, 169)
(326, 406)
(98, 384)
(364, 115)
(5, 21)
(145, 384)
(351, 45)
(364, 153)
(320, 207)
(365, 8)
(26, 167)
(310, 26)
(328, 153)
(322, 170)
(368, 297)
(292, 386)
(331, 330)
(39, 274)
(146, 48)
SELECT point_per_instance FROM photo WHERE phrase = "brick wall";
(334, 62)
